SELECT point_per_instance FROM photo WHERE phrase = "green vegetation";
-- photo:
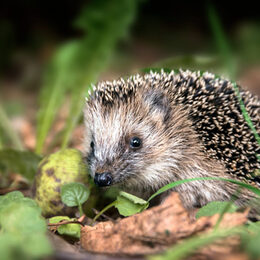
(71, 229)
(22, 228)
(128, 204)
(73, 67)
(77, 64)
(55, 170)
(24, 162)
(74, 194)
(8, 130)
(67, 78)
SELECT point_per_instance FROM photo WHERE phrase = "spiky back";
(213, 108)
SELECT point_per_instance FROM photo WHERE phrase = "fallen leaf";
(151, 231)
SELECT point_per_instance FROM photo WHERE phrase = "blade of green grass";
(176, 183)
(9, 131)
(245, 114)
(190, 246)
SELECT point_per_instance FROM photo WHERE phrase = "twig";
(66, 222)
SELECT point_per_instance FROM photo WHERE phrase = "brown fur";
(163, 114)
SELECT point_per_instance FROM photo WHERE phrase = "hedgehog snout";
(103, 179)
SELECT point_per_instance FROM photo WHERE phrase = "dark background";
(164, 27)
(168, 34)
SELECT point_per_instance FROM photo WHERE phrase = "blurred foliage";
(247, 44)
(78, 63)
(8, 130)
(221, 41)
(6, 37)
(71, 230)
(192, 62)
(73, 67)
(22, 162)
(215, 207)
(22, 228)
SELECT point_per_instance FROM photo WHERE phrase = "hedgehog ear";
(157, 100)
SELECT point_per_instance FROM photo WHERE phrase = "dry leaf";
(151, 231)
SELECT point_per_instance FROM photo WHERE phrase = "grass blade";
(189, 246)
(176, 183)
(245, 114)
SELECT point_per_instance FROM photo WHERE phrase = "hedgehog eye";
(135, 142)
(92, 145)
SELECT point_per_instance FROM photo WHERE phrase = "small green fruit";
(54, 171)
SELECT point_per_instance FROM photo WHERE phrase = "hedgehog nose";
(103, 179)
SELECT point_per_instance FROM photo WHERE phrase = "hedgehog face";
(147, 131)
(126, 143)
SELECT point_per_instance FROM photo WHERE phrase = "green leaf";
(57, 219)
(215, 207)
(19, 247)
(128, 204)
(74, 194)
(36, 246)
(14, 198)
(21, 218)
(132, 198)
(11, 247)
(251, 240)
(11, 196)
(22, 162)
(252, 246)
(23, 228)
(72, 230)
(254, 227)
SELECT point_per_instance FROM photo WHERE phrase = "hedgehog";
(149, 130)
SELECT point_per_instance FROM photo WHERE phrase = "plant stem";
(103, 210)
(80, 209)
